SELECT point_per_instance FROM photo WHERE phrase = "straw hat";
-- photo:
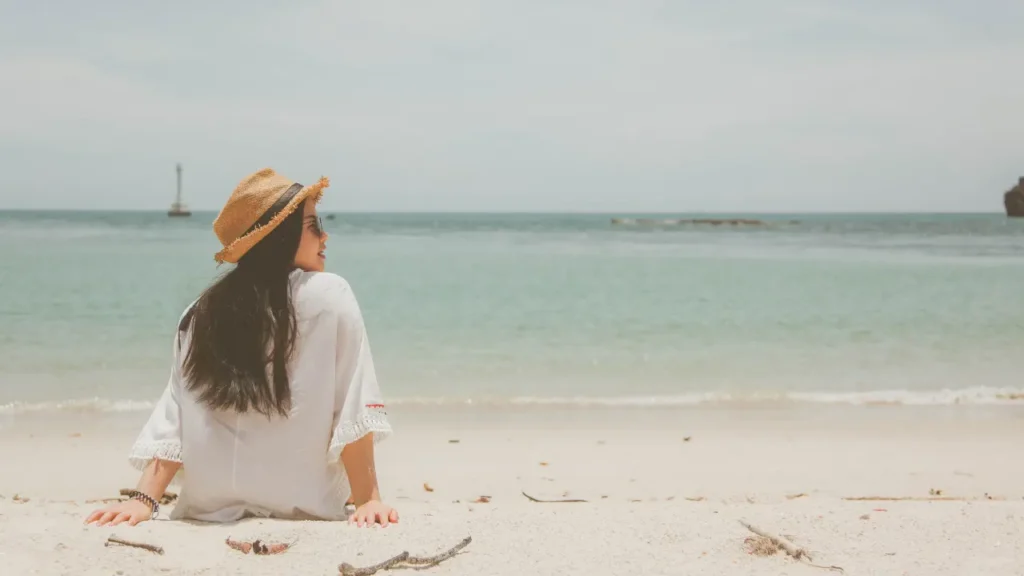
(261, 192)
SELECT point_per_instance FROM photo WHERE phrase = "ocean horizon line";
(624, 213)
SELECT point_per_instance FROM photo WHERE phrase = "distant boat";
(178, 208)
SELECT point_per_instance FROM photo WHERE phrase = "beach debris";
(865, 516)
(428, 487)
(258, 547)
(347, 569)
(935, 492)
(687, 439)
(543, 463)
(559, 501)
(761, 546)
(114, 540)
(243, 547)
(75, 435)
(919, 498)
(768, 544)
(454, 441)
(19, 499)
(99, 500)
(482, 500)
(695, 498)
(795, 496)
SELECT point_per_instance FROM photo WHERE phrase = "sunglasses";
(316, 225)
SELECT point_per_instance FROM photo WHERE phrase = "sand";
(665, 489)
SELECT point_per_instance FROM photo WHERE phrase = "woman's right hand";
(130, 511)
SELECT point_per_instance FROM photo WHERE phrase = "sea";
(553, 309)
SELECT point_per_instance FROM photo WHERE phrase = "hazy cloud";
(453, 104)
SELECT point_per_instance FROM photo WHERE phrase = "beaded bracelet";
(146, 499)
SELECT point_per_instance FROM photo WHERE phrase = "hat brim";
(234, 251)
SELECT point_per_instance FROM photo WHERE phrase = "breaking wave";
(978, 396)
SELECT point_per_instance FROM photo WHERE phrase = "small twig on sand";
(789, 548)
(560, 501)
(150, 547)
(99, 500)
(435, 560)
(917, 498)
(347, 569)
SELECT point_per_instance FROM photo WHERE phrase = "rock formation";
(1014, 200)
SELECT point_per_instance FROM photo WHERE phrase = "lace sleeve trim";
(375, 421)
(143, 452)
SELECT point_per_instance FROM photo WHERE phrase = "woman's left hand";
(374, 512)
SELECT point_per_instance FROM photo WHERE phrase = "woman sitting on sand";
(273, 407)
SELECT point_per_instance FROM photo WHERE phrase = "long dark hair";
(244, 322)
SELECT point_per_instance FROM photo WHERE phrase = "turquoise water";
(552, 308)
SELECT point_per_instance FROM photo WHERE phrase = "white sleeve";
(161, 435)
(358, 404)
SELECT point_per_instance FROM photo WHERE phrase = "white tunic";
(236, 465)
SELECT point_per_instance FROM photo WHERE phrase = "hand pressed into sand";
(154, 481)
(357, 458)
(374, 512)
(130, 511)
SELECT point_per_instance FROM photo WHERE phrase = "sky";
(516, 105)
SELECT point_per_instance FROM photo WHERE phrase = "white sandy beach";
(656, 503)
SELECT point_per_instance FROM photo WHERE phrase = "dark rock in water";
(1013, 200)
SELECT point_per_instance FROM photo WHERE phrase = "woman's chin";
(317, 266)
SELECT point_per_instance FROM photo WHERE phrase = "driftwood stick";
(347, 569)
(435, 560)
(789, 548)
(916, 498)
(150, 547)
(560, 501)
